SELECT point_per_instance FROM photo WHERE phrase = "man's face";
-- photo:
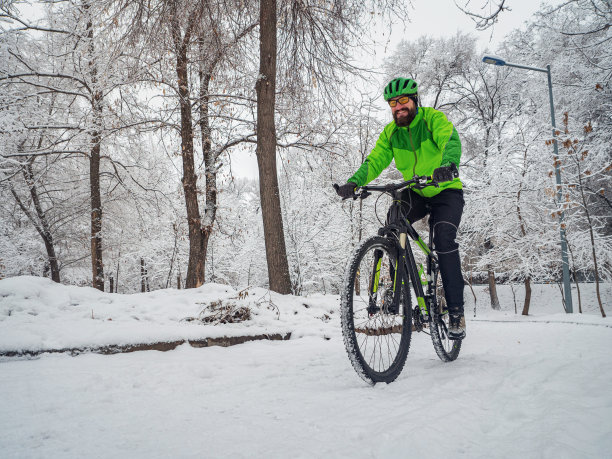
(403, 114)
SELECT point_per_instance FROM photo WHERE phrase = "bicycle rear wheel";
(447, 349)
(377, 339)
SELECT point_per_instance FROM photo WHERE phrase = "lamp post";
(566, 282)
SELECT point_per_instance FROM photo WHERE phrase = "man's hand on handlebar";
(418, 182)
(345, 191)
(445, 173)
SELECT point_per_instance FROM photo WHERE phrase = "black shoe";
(456, 329)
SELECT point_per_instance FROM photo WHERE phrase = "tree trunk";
(97, 266)
(524, 233)
(577, 291)
(41, 222)
(573, 273)
(117, 274)
(493, 290)
(488, 245)
(593, 252)
(195, 267)
(144, 277)
(210, 166)
(276, 252)
(174, 250)
(527, 296)
(596, 269)
(486, 151)
(44, 224)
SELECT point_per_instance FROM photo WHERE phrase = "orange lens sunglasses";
(402, 100)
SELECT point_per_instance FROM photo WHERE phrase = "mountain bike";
(376, 308)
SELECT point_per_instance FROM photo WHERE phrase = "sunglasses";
(402, 100)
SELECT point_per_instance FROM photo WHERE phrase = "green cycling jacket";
(429, 142)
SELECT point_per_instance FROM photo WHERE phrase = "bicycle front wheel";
(447, 349)
(376, 336)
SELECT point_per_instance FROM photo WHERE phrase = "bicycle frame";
(398, 226)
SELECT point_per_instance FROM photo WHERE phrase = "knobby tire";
(377, 340)
(447, 349)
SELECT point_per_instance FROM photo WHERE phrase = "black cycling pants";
(445, 209)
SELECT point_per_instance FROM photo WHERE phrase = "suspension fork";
(413, 275)
(406, 272)
(397, 275)
(375, 278)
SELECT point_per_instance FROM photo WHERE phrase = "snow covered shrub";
(224, 312)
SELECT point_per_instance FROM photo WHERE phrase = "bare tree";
(585, 168)
(77, 82)
(39, 219)
(488, 13)
(200, 36)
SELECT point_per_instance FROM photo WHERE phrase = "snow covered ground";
(536, 386)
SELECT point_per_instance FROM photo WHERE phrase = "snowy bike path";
(517, 390)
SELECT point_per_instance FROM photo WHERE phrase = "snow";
(534, 386)
(37, 314)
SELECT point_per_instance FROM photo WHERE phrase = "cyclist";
(423, 142)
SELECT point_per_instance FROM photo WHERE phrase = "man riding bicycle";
(423, 142)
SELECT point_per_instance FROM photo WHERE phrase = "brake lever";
(423, 182)
(364, 194)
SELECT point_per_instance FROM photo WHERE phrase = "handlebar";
(418, 182)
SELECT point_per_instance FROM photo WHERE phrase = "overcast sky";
(442, 18)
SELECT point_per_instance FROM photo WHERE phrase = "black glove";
(346, 191)
(445, 173)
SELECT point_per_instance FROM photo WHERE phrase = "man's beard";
(404, 117)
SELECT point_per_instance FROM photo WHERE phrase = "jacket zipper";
(413, 151)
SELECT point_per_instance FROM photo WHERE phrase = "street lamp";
(493, 60)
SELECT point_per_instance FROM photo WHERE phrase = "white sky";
(442, 18)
